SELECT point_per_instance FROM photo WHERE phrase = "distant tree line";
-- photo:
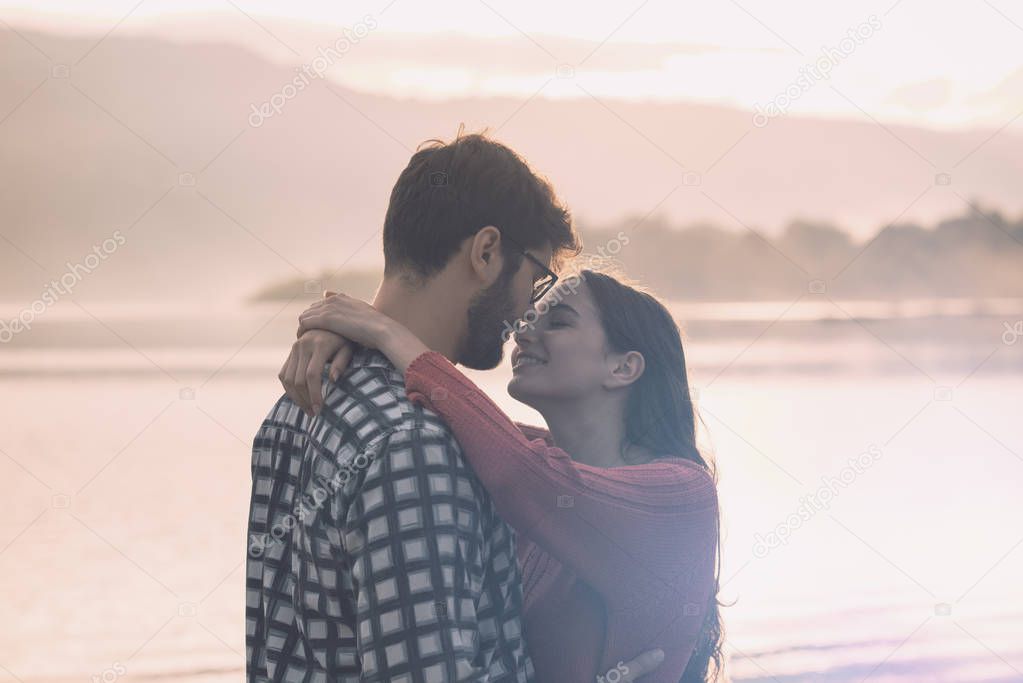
(977, 254)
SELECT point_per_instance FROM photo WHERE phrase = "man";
(374, 553)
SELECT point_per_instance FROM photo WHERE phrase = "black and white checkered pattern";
(374, 552)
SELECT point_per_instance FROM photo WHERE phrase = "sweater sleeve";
(634, 533)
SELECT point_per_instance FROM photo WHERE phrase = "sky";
(929, 64)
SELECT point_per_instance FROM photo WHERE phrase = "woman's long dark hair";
(660, 415)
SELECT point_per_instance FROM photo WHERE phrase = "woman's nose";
(523, 330)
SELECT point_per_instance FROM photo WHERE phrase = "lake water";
(124, 482)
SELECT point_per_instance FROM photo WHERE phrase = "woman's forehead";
(570, 291)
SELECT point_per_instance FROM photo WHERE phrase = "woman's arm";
(645, 537)
(606, 524)
(609, 526)
(326, 330)
(360, 322)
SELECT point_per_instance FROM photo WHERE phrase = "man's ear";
(485, 256)
(625, 369)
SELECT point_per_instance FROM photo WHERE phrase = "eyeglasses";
(546, 281)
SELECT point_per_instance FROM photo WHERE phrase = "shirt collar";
(366, 357)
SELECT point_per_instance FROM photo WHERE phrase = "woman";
(618, 523)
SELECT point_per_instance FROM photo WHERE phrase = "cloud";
(1007, 94)
(511, 56)
(925, 96)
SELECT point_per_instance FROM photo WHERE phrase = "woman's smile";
(525, 359)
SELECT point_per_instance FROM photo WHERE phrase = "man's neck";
(429, 312)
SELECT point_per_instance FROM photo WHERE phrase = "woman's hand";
(302, 373)
(348, 317)
(326, 332)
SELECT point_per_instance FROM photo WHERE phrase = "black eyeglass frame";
(543, 287)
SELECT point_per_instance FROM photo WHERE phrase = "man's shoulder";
(357, 422)
(371, 402)
(284, 418)
(368, 406)
(365, 411)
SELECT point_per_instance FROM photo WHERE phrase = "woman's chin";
(519, 389)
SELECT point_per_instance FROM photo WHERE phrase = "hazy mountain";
(93, 146)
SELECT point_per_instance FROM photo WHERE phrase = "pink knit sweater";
(615, 561)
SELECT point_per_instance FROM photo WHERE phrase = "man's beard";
(488, 312)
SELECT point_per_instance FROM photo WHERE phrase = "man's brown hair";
(450, 190)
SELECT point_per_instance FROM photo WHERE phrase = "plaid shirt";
(374, 552)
